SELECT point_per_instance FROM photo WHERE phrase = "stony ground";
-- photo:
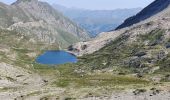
(130, 96)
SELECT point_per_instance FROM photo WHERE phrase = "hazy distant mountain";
(97, 21)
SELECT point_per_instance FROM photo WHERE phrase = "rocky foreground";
(20, 84)
(131, 96)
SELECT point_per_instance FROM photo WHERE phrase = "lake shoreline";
(56, 57)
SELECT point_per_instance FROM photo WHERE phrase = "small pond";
(56, 58)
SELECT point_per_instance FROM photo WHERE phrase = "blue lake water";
(56, 58)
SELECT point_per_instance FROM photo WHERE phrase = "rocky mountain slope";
(141, 50)
(18, 77)
(143, 47)
(97, 21)
(154, 8)
(41, 22)
(158, 20)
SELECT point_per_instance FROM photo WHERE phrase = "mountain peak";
(21, 1)
(27, 0)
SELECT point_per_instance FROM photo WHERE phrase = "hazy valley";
(97, 21)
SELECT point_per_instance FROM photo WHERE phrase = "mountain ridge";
(22, 1)
(152, 9)
(42, 22)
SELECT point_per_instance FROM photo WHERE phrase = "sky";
(97, 4)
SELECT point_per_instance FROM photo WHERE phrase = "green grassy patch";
(154, 37)
(99, 80)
